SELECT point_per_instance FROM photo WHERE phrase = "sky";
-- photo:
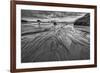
(33, 15)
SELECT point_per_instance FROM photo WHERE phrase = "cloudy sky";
(51, 15)
(48, 14)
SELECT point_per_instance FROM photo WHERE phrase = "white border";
(20, 65)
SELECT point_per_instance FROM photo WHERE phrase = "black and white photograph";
(52, 36)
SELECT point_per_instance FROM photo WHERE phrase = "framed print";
(52, 36)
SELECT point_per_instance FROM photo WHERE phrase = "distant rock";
(84, 21)
(24, 21)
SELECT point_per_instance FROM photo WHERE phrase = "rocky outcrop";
(59, 45)
(84, 21)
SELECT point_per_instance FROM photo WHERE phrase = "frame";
(55, 19)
